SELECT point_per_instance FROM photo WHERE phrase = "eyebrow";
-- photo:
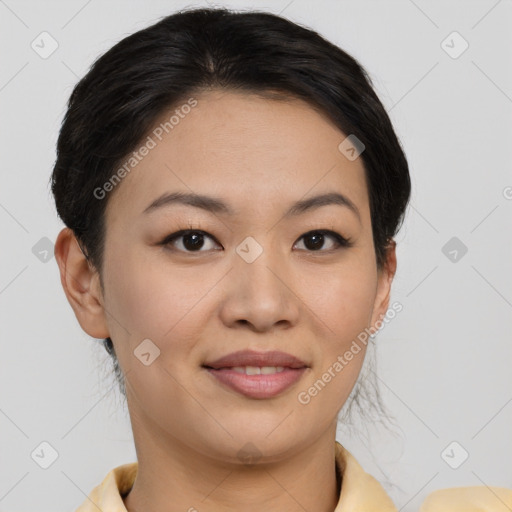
(216, 205)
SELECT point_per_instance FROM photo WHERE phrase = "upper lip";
(254, 358)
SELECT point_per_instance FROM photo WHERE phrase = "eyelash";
(342, 242)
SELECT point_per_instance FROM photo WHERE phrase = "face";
(251, 274)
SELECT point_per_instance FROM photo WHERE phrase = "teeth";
(256, 370)
(271, 369)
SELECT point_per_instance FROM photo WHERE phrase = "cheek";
(165, 304)
(150, 299)
(342, 299)
(343, 303)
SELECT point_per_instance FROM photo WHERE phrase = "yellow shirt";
(360, 492)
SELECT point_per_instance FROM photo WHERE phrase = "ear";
(384, 279)
(81, 285)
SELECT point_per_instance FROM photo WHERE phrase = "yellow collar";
(359, 490)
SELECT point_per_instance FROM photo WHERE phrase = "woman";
(231, 187)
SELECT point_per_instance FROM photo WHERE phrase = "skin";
(259, 156)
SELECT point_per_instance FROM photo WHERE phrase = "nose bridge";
(254, 263)
(259, 295)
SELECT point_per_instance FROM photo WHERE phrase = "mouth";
(257, 375)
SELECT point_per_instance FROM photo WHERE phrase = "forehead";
(254, 152)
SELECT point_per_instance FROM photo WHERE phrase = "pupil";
(196, 244)
(319, 241)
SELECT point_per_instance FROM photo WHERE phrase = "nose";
(261, 295)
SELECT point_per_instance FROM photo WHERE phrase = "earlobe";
(80, 282)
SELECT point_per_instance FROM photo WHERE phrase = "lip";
(257, 386)
(254, 358)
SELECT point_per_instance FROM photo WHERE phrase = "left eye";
(192, 240)
(317, 238)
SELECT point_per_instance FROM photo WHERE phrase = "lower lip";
(258, 386)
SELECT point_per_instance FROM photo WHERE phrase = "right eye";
(187, 240)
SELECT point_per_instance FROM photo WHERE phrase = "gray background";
(444, 363)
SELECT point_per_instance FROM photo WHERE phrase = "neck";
(171, 473)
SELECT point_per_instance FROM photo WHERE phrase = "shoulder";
(469, 499)
(361, 491)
